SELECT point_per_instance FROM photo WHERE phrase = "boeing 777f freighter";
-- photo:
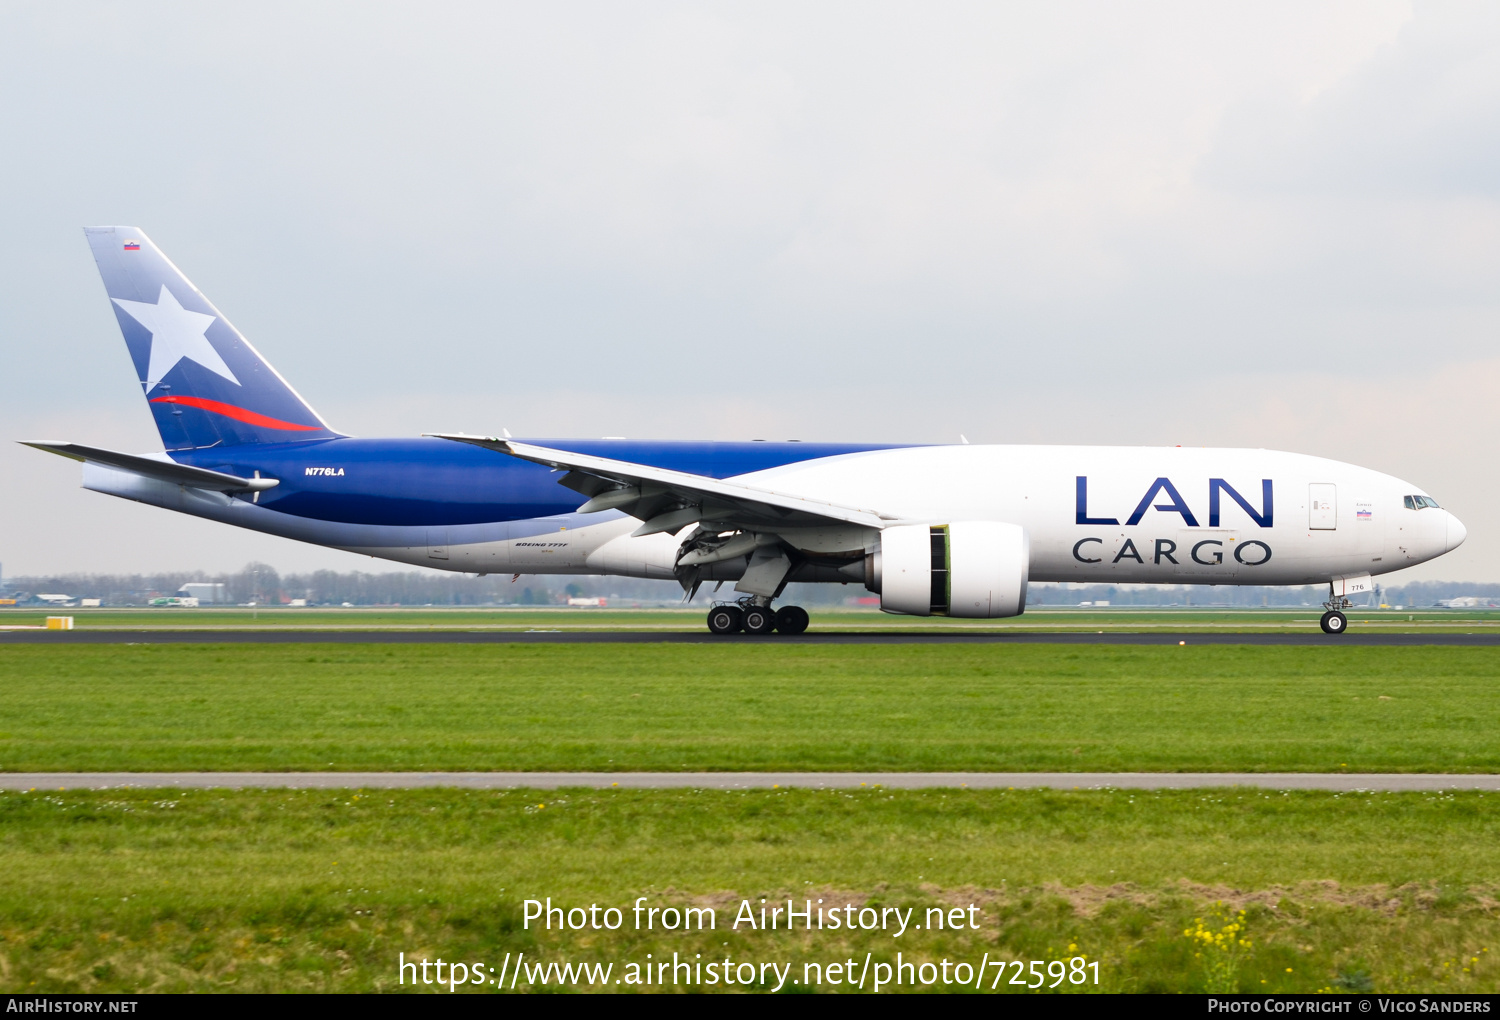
(933, 530)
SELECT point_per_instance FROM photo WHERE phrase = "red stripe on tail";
(237, 413)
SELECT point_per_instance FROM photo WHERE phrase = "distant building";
(207, 594)
(1467, 602)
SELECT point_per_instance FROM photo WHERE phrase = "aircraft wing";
(668, 500)
(161, 470)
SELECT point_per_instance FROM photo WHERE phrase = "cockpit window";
(1419, 502)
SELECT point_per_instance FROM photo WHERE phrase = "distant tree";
(258, 582)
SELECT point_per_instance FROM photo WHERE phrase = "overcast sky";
(1256, 225)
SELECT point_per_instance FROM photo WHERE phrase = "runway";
(422, 637)
(1335, 782)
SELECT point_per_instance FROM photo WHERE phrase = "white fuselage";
(1368, 530)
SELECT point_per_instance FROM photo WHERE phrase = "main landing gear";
(753, 617)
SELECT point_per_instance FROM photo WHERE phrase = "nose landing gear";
(1334, 621)
(755, 616)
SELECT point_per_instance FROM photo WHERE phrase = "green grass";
(757, 707)
(1041, 620)
(321, 890)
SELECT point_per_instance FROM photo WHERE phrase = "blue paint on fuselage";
(441, 482)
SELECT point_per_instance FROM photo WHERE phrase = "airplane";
(934, 530)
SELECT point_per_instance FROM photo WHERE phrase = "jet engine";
(971, 569)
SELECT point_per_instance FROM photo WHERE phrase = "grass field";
(1046, 620)
(155, 890)
(757, 707)
(321, 890)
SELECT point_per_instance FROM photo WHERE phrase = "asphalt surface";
(748, 780)
(423, 637)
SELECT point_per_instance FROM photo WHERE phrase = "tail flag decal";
(204, 383)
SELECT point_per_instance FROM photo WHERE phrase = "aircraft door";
(1322, 506)
(437, 543)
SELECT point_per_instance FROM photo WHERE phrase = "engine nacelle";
(972, 569)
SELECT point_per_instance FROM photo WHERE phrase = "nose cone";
(1456, 533)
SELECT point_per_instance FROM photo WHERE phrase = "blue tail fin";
(204, 383)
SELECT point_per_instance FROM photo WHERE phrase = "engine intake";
(968, 569)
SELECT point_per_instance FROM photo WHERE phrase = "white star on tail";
(176, 333)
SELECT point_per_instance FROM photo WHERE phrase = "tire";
(725, 619)
(1334, 622)
(791, 619)
(759, 620)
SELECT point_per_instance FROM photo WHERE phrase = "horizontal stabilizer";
(162, 470)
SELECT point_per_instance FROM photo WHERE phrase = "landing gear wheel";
(791, 619)
(759, 620)
(1334, 622)
(725, 619)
